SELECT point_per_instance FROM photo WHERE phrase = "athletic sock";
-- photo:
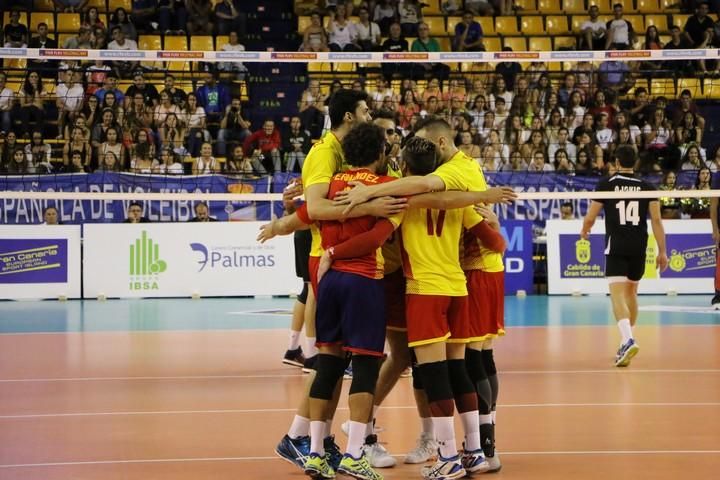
(356, 438)
(317, 437)
(471, 425)
(300, 427)
(427, 425)
(494, 416)
(328, 428)
(487, 437)
(445, 435)
(294, 342)
(625, 330)
(311, 348)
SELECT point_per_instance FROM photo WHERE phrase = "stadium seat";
(712, 90)
(202, 42)
(43, 6)
(16, 67)
(492, 44)
(506, 25)
(177, 43)
(628, 5)
(518, 44)
(444, 43)
(556, 25)
(659, 21)
(540, 44)
(319, 67)
(150, 42)
(115, 4)
(303, 23)
(42, 17)
(640, 82)
(62, 38)
(662, 86)
(692, 84)
(526, 6)
(680, 19)
(670, 5)
(436, 24)
(605, 6)
(573, 6)
(648, 6)
(101, 5)
(67, 22)
(638, 23)
(563, 42)
(532, 25)
(549, 6)
(487, 24)
(432, 8)
(221, 40)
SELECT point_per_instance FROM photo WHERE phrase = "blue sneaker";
(626, 353)
(333, 454)
(294, 451)
(473, 461)
(348, 373)
(444, 469)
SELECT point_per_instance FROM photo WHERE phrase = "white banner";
(185, 259)
(39, 261)
(577, 266)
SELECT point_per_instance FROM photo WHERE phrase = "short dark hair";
(568, 204)
(344, 101)
(134, 204)
(383, 114)
(43, 24)
(420, 156)
(363, 144)
(617, 5)
(116, 27)
(200, 204)
(48, 208)
(625, 156)
(433, 123)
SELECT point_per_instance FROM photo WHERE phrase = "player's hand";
(325, 264)
(267, 232)
(716, 237)
(353, 197)
(291, 192)
(662, 262)
(386, 207)
(585, 234)
(489, 216)
(500, 195)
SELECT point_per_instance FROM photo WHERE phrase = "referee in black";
(626, 239)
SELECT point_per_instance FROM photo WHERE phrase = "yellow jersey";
(324, 160)
(431, 250)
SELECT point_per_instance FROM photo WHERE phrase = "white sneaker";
(378, 456)
(444, 469)
(494, 463)
(425, 449)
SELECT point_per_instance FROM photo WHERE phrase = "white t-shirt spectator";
(595, 26)
(127, 45)
(408, 13)
(6, 98)
(72, 97)
(621, 34)
(662, 136)
(369, 32)
(507, 95)
(194, 120)
(604, 137)
(233, 66)
(383, 12)
(341, 36)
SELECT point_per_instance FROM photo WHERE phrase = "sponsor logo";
(121, 54)
(462, 56)
(684, 53)
(145, 263)
(62, 52)
(33, 261)
(180, 55)
(238, 55)
(349, 56)
(571, 55)
(13, 52)
(405, 56)
(516, 55)
(628, 54)
(230, 257)
(294, 55)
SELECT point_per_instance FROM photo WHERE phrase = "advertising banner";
(181, 260)
(518, 256)
(39, 261)
(577, 265)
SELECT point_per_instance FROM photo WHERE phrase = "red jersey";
(336, 232)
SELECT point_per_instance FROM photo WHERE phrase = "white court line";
(245, 459)
(390, 407)
(609, 371)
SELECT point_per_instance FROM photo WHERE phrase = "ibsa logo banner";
(179, 260)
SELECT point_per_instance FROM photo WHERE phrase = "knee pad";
(435, 379)
(302, 298)
(459, 378)
(365, 374)
(489, 362)
(329, 370)
(416, 380)
(475, 364)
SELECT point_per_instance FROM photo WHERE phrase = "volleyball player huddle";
(442, 312)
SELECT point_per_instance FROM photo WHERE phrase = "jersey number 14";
(629, 212)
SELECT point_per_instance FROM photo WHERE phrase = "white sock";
(427, 426)
(300, 427)
(328, 428)
(311, 348)
(471, 425)
(294, 342)
(356, 438)
(369, 428)
(445, 435)
(317, 436)
(625, 330)
(487, 419)
(494, 414)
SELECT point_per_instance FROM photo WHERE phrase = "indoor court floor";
(195, 389)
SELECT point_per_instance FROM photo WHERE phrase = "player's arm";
(401, 187)
(455, 199)
(590, 218)
(659, 233)
(488, 229)
(299, 220)
(320, 208)
(714, 219)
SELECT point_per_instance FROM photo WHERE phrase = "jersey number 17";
(629, 212)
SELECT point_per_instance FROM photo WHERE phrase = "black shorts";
(630, 266)
(303, 242)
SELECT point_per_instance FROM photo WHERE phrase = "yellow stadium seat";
(669, 5)
(518, 44)
(565, 43)
(319, 67)
(202, 42)
(221, 40)
(605, 6)
(487, 24)
(506, 25)
(43, 6)
(63, 37)
(532, 25)
(526, 6)
(680, 19)
(303, 23)
(16, 65)
(177, 43)
(23, 17)
(432, 8)
(540, 44)
(492, 44)
(556, 25)
(150, 42)
(574, 6)
(115, 4)
(712, 90)
(436, 25)
(444, 43)
(648, 6)
(662, 86)
(549, 6)
(640, 82)
(344, 67)
(68, 22)
(659, 21)
(101, 5)
(692, 84)
(638, 23)
(628, 5)
(42, 17)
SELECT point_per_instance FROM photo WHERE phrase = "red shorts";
(436, 318)
(486, 296)
(395, 300)
(314, 266)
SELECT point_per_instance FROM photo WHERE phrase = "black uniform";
(625, 227)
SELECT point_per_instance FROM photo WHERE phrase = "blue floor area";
(272, 313)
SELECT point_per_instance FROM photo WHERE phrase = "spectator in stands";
(172, 133)
(239, 164)
(499, 89)
(15, 33)
(477, 111)
(623, 138)
(70, 6)
(561, 162)
(95, 76)
(234, 129)
(233, 46)
(229, 17)
(76, 164)
(468, 35)
(599, 105)
(19, 164)
(408, 107)
(384, 15)
(172, 16)
(47, 68)
(142, 162)
(535, 143)
(123, 68)
(168, 164)
(341, 31)
(539, 163)
(164, 108)
(144, 14)
(205, 163)
(142, 145)
(296, 144)
(684, 105)
(81, 41)
(451, 7)
(425, 43)
(620, 33)
(100, 130)
(467, 146)
(70, 95)
(110, 85)
(202, 214)
(410, 14)
(109, 163)
(137, 115)
(698, 25)
(312, 107)
(32, 96)
(509, 71)
(7, 98)
(502, 113)
(394, 43)
(615, 75)
(91, 19)
(7, 148)
(593, 31)
(199, 16)
(99, 38)
(382, 90)
(80, 123)
(587, 127)
(77, 143)
(122, 19)
(149, 92)
(112, 144)
(692, 160)
(678, 41)
(657, 135)
(264, 145)
(39, 153)
(603, 133)
(50, 216)
(214, 97)
(177, 95)
(563, 143)
(109, 101)
(693, 133)
(194, 118)
(314, 37)
(135, 214)
(368, 32)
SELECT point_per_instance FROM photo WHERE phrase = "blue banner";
(518, 256)
(26, 211)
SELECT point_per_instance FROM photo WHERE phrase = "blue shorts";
(351, 313)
